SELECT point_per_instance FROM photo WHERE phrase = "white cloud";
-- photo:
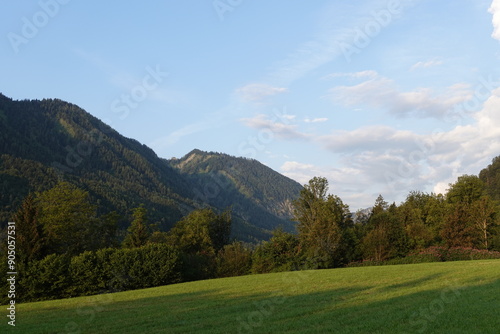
(369, 138)
(289, 166)
(426, 64)
(316, 120)
(348, 183)
(354, 75)
(258, 92)
(495, 11)
(284, 129)
(383, 93)
(381, 159)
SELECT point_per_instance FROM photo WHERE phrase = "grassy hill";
(450, 297)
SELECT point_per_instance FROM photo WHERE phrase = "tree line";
(65, 249)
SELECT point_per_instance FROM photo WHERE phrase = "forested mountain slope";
(255, 191)
(42, 142)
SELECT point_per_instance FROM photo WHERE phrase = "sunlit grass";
(450, 297)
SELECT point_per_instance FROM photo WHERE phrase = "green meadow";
(449, 297)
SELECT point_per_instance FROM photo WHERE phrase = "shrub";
(280, 253)
(106, 270)
(45, 279)
(234, 260)
(435, 254)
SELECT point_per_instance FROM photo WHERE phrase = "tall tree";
(464, 202)
(106, 233)
(320, 220)
(376, 244)
(202, 231)
(484, 215)
(380, 205)
(68, 218)
(138, 231)
(199, 236)
(29, 232)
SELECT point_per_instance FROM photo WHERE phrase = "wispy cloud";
(164, 142)
(495, 11)
(391, 161)
(316, 120)
(426, 64)
(368, 139)
(258, 92)
(354, 75)
(283, 130)
(325, 45)
(383, 93)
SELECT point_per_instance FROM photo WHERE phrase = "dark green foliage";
(491, 179)
(44, 142)
(30, 241)
(434, 254)
(107, 230)
(107, 270)
(198, 266)
(68, 219)
(466, 190)
(138, 231)
(472, 219)
(321, 220)
(147, 266)
(86, 273)
(234, 260)
(45, 279)
(280, 253)
(199, 236)
(256, 193)
(202, 231)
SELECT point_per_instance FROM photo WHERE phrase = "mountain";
(42, 142)
(256, 192)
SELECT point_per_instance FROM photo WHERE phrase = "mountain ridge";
(44, 141)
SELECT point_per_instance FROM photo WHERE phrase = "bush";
(45, 279)
(84, 271)
(144, 267)
(106, 270)
(435, 254)
(197, 266)
(161, 265)
(280, 253)
(234, 260)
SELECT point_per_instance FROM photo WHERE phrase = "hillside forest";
(66, 249)
(96, 212)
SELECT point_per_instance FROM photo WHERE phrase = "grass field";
(449, 297)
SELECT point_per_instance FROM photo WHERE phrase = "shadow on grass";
(366, 309)
(413, 283)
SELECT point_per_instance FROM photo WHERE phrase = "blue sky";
(380, 97)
